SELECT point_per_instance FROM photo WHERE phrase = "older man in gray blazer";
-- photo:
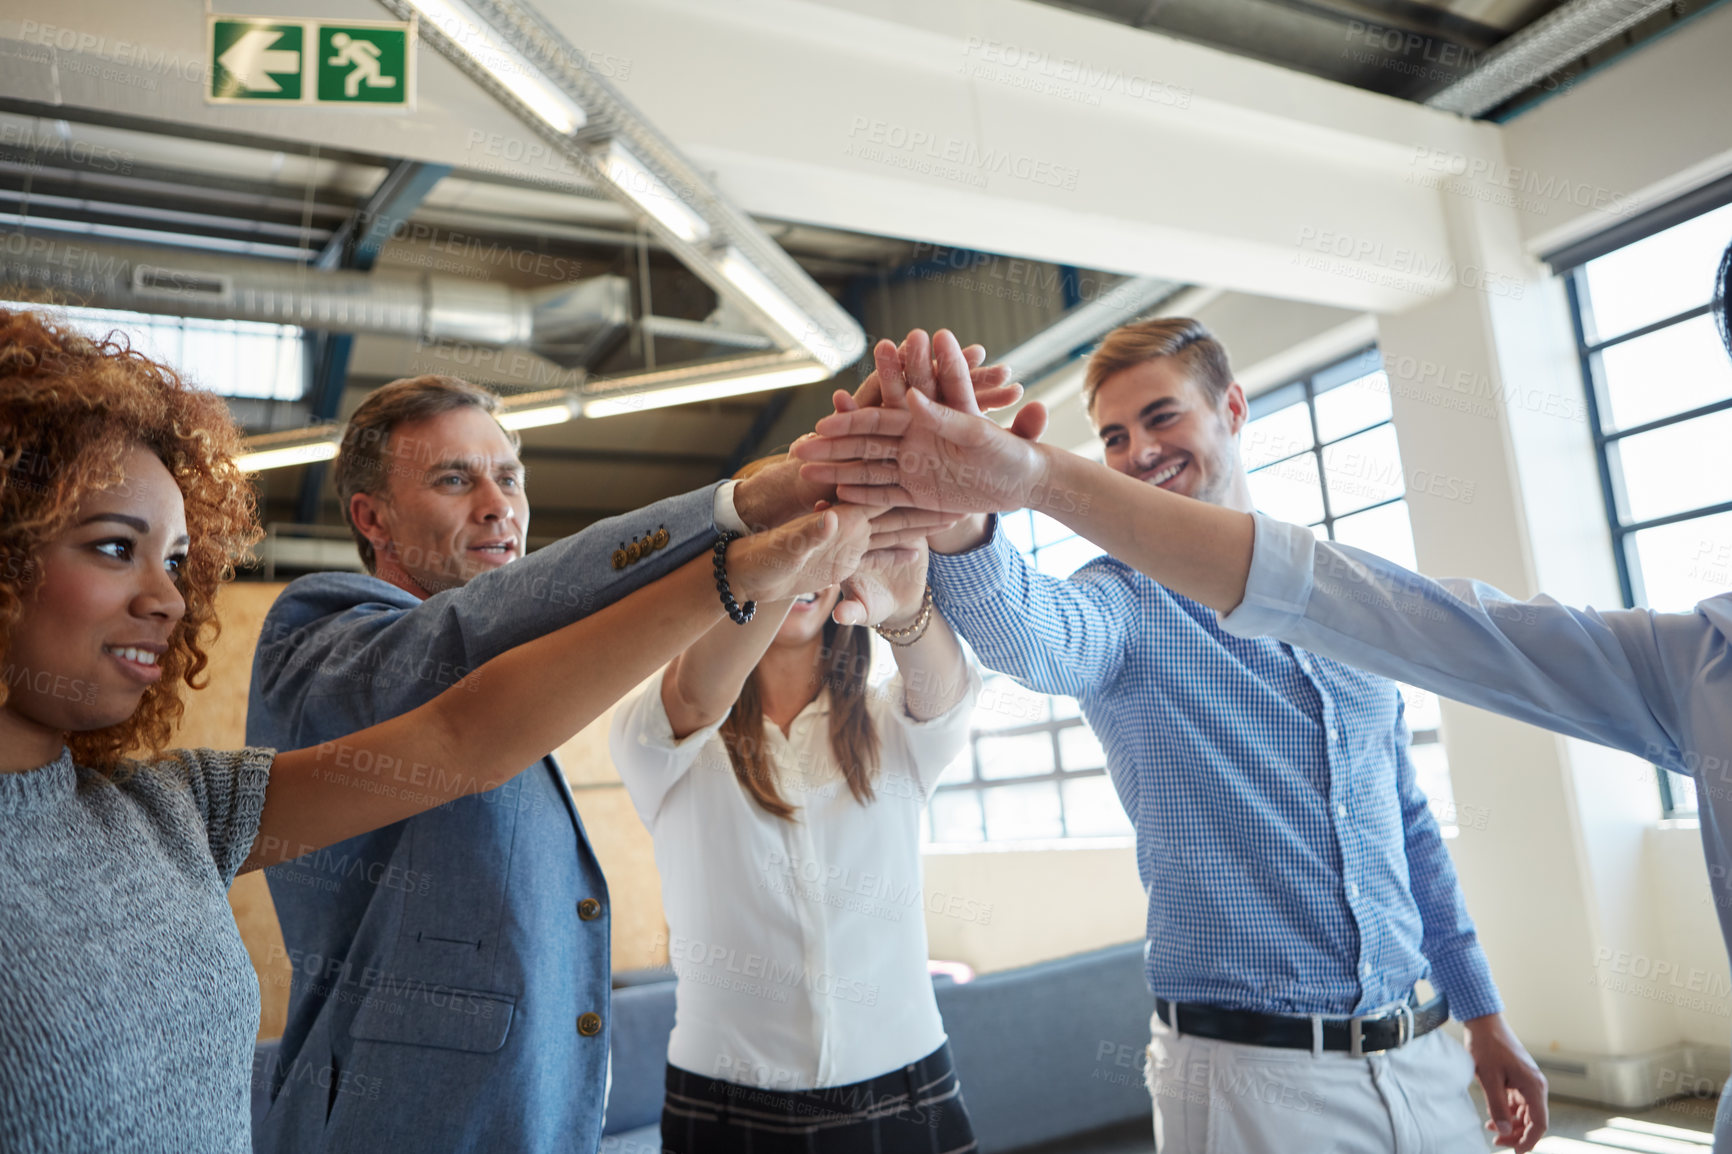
(451, 977)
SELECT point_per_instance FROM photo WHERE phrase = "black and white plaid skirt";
(916, 1109)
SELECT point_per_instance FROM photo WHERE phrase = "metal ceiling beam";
(355, 245)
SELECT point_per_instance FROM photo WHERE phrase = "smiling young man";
(1300, 897)
(451, 972)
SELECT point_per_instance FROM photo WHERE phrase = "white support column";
(1486, 393)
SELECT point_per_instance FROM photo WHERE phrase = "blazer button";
(633, 551)
(620, 560)
(589, 1025)
(661, 539)
(589, 909)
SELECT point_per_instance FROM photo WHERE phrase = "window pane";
(1066, 557)
(1683, 793)
(1024, 755)
(1280, 434)
(1048, 531)
(1003, 704)
(231, 358)
(1079, 748)
(1386, 531)
(1018, 529)
(1431, 772)
(1063, 707)
(1658, 277)
(1289, 491)
(1356, 405)
(1023, 811)
(1422, 711)
(1680, 467)
(1684, 563)
(1678, 368)
(1092, 809)
(956, 815)
(1363, 470)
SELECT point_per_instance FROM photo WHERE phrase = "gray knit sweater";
(127, 1004)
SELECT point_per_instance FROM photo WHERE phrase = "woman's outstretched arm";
(527, 701)
(703, 683)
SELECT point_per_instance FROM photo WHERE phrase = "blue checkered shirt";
(1292, 863)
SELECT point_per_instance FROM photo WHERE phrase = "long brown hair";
(845, 658)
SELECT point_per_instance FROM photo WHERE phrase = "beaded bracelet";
(740, 613)
(912, 633)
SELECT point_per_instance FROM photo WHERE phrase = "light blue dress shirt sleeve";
(1053, 636)
(1615, 677)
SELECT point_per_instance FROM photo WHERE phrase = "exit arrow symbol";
(251, 59)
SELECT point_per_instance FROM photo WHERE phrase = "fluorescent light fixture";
(794, 320)
(537, 416)
(705, 390)
(649, 192)
(477, 40)
(282, 458)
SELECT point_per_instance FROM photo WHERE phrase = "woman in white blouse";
(784, 793)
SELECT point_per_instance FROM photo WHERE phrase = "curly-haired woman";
(784, 793)
(128, 1003)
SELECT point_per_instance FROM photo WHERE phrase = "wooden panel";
(216, 717)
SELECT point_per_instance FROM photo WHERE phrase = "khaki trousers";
(1225, 1098)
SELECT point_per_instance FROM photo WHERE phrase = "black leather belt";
(1357, 1036)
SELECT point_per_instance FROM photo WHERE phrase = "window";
(1659, 391)
(231, 358)
(1321, 451)
(1033, 769)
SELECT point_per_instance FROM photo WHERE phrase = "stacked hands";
(903, 458)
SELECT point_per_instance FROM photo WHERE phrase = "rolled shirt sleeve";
(650, 759)
(928, 747)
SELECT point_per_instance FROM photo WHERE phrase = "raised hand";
(888, 587)
(805, 555)
(929, 456)
(897, 369)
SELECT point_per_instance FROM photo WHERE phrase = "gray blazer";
(451, 979)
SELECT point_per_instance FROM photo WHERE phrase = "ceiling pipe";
(1045, 360)
(1543, 48)
(573, 324)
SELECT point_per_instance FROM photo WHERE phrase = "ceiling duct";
(529, 66)
(573, 325)
(1121, 304)
(1542, 49)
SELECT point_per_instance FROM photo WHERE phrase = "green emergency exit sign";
(261, 59)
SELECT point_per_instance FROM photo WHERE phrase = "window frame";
(1355, 366)
(1609, 465)
(1334, 374)
(1052, 725)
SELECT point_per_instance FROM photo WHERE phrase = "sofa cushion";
(1052, 1049)
(643, 1017)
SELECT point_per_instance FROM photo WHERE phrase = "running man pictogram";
(363, 57)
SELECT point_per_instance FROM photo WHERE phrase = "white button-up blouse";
(800, 945)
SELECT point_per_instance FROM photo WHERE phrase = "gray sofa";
(1044, 1052)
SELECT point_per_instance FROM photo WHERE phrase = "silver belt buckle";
(1404, 1027)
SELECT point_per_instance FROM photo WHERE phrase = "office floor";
(1682, 1126)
